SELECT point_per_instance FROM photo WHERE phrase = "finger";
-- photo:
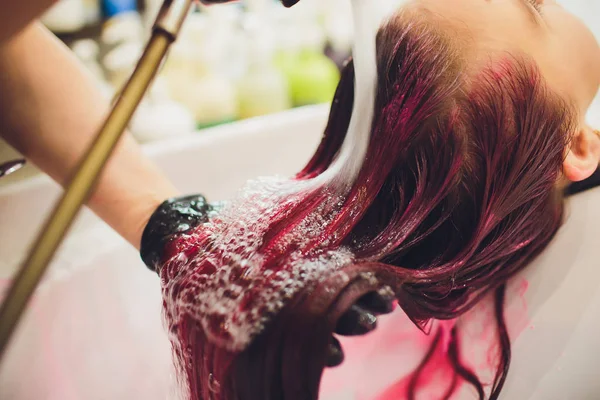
(356, 321)
(379, 302)
(335, 354)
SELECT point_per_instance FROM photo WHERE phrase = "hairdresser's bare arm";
(50, 110)
(15, 15)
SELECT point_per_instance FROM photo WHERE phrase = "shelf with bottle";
(231, 61)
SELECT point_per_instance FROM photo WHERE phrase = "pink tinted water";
(381, 365)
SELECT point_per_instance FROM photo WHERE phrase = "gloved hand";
(173, 218)
(179, 216)
(287, 3)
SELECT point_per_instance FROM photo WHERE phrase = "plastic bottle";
(120, 62)
(87, 51)
(123, 32)
(338, 25)
(93, 12)
(112, 8)
(159, 117)
(263, 89)
(311, 75)
(194, 73)
(66, 16)
(126, 26)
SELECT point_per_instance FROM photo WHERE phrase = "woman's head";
(559, 44)
(459, 191)
(461, 178)
(460, 187)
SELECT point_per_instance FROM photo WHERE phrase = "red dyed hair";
(458, 192)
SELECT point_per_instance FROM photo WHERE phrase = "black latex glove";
(173, 218)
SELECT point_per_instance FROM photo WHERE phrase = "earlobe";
(584, 155)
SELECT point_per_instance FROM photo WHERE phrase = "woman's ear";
(583, 157)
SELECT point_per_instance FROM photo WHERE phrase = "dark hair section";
(458, 193)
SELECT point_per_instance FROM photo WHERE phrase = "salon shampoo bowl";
(94, 331)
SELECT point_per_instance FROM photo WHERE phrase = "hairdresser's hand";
(287, 3)
(179, 216)
(174, 217)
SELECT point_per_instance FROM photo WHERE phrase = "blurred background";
(232, 62)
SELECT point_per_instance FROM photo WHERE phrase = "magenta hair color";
(457, 193)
